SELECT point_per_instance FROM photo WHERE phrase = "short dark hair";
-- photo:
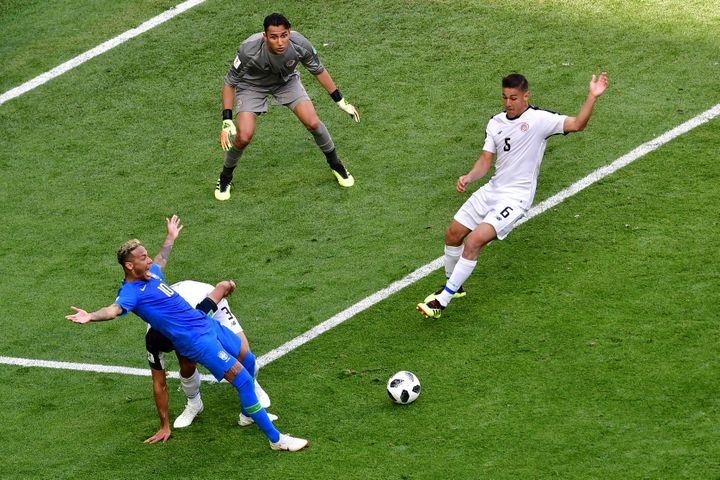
(126, 249)
(275, 20)
(515, 80)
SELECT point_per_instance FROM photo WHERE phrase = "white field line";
(87, 367)
(99, 50)
(418, 274)
(424, 271)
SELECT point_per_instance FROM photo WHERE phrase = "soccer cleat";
(459, 294)
(346, 182)
(188, 415)
(244, 420)
(222, 189)
(343, 176)
(263, 397)
(286, 442)
(431, 309)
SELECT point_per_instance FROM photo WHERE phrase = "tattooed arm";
(173, 230)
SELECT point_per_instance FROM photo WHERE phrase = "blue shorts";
(217, 350)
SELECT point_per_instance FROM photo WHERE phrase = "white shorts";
(225, 316)
(502, 213)
(195, 292)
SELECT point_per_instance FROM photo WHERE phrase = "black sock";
(227, 172)
(332, 157)
(335, 163)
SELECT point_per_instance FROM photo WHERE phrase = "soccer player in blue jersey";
(194, 335)
(209, 300)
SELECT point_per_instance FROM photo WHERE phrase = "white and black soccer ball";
(403, 387)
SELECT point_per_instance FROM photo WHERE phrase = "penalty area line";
(413, 277)
(99, 50)
(559, 197)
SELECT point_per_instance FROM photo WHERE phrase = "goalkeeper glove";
(345, 106)
(228, 130)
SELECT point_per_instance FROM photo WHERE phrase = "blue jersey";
(165, 310)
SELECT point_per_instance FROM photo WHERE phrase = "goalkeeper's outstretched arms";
(328, 84)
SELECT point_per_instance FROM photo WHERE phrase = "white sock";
(451, 257)
(191, 386)
(460, 274)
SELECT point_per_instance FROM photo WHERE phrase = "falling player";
(194, 335)
(203, 296)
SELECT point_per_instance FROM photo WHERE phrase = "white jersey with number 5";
(519, 145)
(195, 292)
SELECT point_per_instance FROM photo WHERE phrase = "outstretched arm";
(173, 230)
(326, 81)
(161, 402)
(598, 85)
(105, 313)
(328, 84)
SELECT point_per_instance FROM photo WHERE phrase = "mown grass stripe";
(413, 277)
(99, 50)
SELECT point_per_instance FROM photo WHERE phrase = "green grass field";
(586, 348)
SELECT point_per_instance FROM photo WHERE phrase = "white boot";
(192, 409)
(263, 397)
(286, 442)
(244, 420)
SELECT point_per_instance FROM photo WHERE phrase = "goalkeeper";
(266, 66)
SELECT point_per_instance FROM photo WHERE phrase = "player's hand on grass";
(226, 134)
(349, 109)
(598, 84)
(80, 315)
(162, 435)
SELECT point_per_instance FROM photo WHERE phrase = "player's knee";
(242, 139)
(473, 246)
(187, 369)
(312, 124)
(453, 237)
(238, 378)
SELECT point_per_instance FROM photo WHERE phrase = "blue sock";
(249, 363)
(251, 407)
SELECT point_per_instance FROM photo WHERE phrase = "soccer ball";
(403, 387)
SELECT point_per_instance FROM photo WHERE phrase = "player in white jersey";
(516, 139)
(195, 293)
(266, 66)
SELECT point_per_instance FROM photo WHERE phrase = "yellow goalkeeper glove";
(344, 105)
(228, 130)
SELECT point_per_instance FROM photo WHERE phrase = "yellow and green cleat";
(222, 190)
(459, 294)
(347, 181)
(431, 309)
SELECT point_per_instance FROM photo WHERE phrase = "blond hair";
(126, 250)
